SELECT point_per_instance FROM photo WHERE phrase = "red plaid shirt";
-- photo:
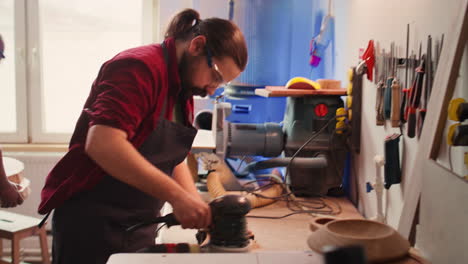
(127, 94)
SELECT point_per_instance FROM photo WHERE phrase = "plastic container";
(253, 109)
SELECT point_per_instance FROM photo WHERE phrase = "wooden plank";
(15, 248)
(442, 234)
(34, 147)
(356, 110)
(204, 141)
(431, 137)
(280, 91)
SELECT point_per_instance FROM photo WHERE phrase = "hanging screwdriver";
(379, 105)
(427, 87)
(407, 92)
(380, 118)
(388, 89)
(396, 94)
(415, 97)
(405, 88)
(396, 90)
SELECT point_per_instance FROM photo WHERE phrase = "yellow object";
(329, 84)
(350, 74)
(349, 88)
(450, 133)
(350, 114)
(349, 101)
(350, 83)
(341, 114)
(453, 108)
(340, 126)
(194, 248)
(192, 163)
(302, 83)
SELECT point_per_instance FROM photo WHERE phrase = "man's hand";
(192, 212)
(9, 195)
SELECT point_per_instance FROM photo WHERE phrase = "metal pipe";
(298, 162)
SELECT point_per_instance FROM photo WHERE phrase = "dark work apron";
(91, 225)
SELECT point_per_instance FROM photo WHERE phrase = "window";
(45, 80)
(12, 72)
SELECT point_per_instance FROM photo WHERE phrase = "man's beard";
(187, 87)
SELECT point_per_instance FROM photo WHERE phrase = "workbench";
(285, 234)
(276, 241)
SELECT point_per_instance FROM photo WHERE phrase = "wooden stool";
(16, 227)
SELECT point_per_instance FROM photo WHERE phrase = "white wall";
(385, 21)
(167, 9)
(358, 21)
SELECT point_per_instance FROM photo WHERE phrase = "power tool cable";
(301, 206)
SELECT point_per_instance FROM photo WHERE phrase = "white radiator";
(36, 167)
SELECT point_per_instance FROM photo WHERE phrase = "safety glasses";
(218, 78)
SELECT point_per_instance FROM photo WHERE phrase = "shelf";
(281, 91)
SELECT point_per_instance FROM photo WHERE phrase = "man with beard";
(126, 155)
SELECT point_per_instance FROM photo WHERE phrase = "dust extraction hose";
(216, 188)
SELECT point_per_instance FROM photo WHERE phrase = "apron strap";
(44, 220)
(181, 98)
(166, 60)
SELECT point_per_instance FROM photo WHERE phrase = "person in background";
(9, 191)
(126, 155)
(9, 195)
(2, 49)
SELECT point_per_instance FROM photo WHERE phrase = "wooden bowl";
(380, 242)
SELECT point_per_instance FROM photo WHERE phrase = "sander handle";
(168, 219)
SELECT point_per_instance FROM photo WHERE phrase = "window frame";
(19, 53)
(30, 101)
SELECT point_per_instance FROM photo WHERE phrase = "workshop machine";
(313, 149)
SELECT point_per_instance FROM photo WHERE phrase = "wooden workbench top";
(288, 233)
(291, 233)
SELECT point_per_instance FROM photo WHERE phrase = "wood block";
(281, 91)
(329, 84)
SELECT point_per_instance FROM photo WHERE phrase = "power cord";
(298, 206)
(160, 227)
